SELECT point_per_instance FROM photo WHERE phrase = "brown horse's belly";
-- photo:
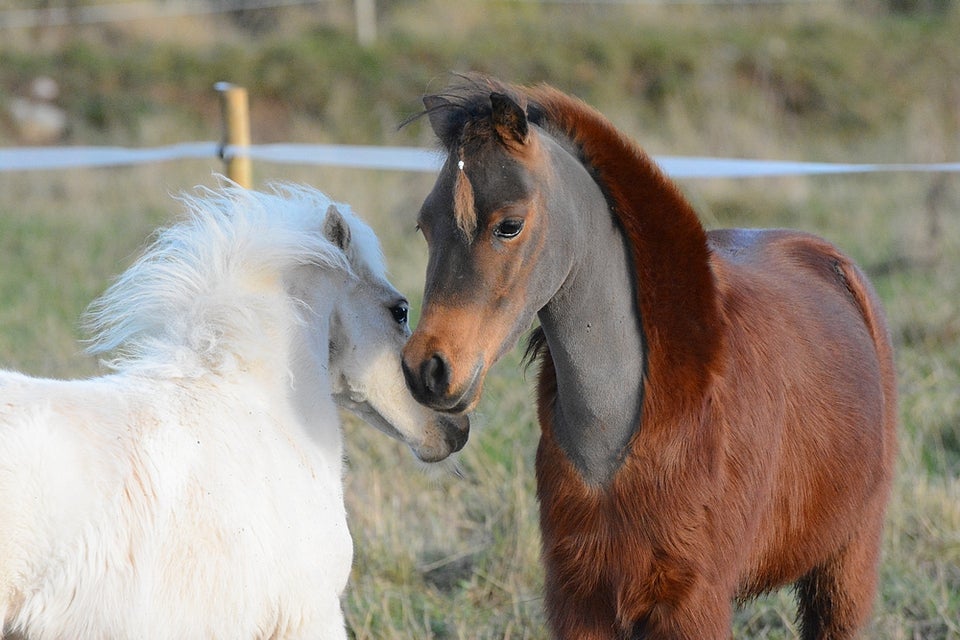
(815, 509)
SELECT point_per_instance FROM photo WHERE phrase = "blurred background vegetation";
(455, 555)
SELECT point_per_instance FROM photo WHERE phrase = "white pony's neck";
(310, 390)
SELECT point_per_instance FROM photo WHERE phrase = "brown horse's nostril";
(430, 382)
(435, 374)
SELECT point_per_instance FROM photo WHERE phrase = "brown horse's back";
(812, 462)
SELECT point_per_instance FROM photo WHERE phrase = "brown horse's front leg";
(705, 613)
(578, 617)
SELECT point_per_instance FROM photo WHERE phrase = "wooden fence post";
(366, 11)
(236, 133)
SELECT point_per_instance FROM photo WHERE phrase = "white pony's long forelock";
(172, 309)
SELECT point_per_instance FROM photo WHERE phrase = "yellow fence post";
(236, 133)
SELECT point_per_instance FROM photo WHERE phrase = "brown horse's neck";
(674, 285)
(593, 332)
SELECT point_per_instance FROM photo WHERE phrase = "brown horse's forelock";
(464, 202)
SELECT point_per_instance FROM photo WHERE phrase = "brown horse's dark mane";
(677, 296)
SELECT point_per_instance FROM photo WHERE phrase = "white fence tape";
(40, 158)
(408, 159)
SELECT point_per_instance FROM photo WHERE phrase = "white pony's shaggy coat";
(196, 491)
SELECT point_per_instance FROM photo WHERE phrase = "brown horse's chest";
(622, 546)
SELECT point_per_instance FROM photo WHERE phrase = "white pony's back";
(188, 494)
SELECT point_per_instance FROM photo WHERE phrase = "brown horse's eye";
(509, 228)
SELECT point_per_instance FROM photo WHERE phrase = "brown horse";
(718, 410)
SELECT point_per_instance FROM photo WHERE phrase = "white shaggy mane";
(205, 291)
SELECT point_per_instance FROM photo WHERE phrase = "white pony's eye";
(400, 312)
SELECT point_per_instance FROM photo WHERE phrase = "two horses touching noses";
(197, 490)
(717, 409)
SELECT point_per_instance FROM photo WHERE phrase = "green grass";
(455, 555)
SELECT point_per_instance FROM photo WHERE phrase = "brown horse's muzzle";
(436, 380)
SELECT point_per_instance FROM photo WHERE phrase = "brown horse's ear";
(436, 110)
(509, 119)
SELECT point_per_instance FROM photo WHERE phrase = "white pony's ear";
(336, 229)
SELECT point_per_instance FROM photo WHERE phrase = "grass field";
(452, 552)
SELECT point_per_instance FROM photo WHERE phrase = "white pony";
(196, 491)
